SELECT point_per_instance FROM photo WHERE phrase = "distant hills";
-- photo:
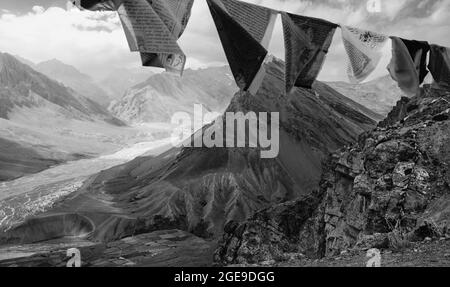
(160, 96)
(51, 113)
(71, 77)
(103, 91)
(22, 86)
(42, 122)
(118, 81)
(139, 95)
(201, 189)
(59, 95)
(379, 95)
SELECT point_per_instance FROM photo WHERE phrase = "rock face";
(200, 190)
(274, 233)
(390, 188)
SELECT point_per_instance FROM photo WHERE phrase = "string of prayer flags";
(307, 41)
(244, 53)
(408, 64)
(439, 65)
(364, 51)
(153, 27)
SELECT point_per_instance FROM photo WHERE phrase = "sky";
(94, 42)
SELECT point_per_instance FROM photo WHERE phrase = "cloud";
(91, 41)
(95, 42)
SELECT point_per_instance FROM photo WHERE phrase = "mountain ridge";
(122, 79)
(389, 190)
(73, 78)
(201, 189)
(161, 95)
(26, 95)
(379, 95)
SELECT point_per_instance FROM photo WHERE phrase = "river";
(36, 193)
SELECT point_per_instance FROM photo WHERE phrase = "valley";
(104, 174)
(33, 194)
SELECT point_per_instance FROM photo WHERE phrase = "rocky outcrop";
(398, 113)
(388, 189)
(274, 234)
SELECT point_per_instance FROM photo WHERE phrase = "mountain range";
(105, 90)
(22, 86)
(40, 118)
(343, 179)
(379, 95)
(389, 191)
(161, 95)
(116, 83)
(200, 190)
(71, 77)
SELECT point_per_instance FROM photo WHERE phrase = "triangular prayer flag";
(150, 33)
(259, 21)
(245, 54)
(364, 51)
(307, 41)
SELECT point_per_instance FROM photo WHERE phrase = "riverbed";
(36, 193)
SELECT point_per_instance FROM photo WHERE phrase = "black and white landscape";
(87, 162)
